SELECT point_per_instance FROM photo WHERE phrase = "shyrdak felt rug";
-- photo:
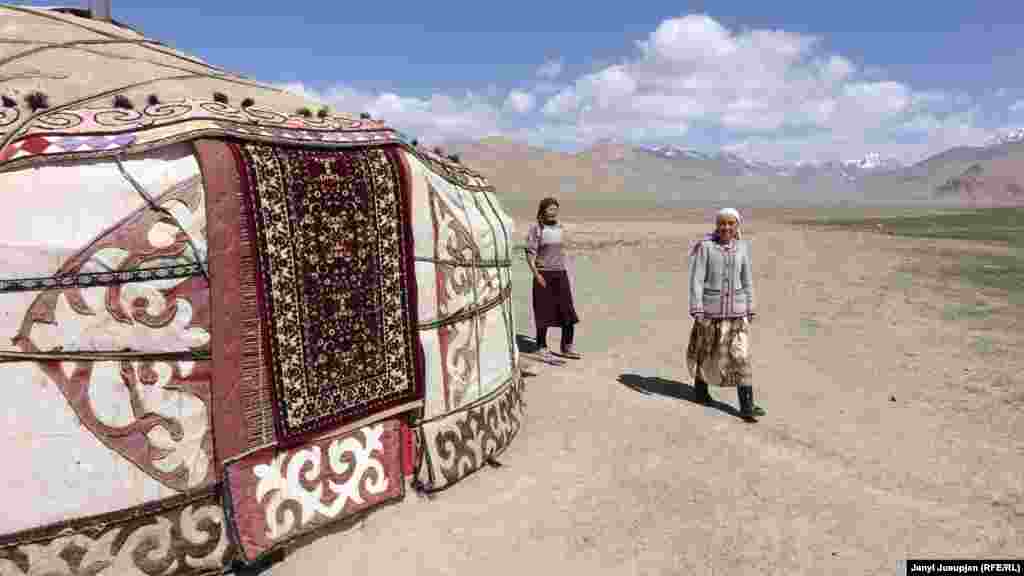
(337, 284)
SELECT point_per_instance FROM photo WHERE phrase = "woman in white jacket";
(722, 306)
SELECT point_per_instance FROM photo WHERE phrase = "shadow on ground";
(526, 345)
(653, 385)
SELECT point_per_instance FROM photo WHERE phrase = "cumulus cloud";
(773, 94)
(693, 68)
(520, 102)
(759, 86)
(300, 89)
(550, 70)
(435, 119)
(909, 140)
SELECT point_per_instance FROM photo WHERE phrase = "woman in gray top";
(722, 306)
(552, 294)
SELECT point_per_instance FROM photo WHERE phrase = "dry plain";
(894, 393)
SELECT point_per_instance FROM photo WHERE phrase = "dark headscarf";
(543, 207)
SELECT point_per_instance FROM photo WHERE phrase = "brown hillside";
(996, 182)
(523, 175)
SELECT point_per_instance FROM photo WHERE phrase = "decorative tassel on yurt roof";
(37, 101)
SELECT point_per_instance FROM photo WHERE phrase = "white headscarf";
(723, 212)
(730, 212)
(735, 214)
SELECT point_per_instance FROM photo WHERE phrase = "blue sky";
(778, 81)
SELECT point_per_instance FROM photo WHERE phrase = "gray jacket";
(721, 280)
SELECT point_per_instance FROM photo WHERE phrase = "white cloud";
(762, 83)
(432, 120)
(929, 134)
(836, 69)
(300, 89)
(1017, 106)
(550, 70)
(775, 93)
(520, 102)
(562, 103)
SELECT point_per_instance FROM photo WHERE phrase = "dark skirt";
(552, 305)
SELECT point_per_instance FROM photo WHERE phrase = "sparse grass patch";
(809, 326)
(957, 312)
(1003, 226)
(999, 225)
(984, 345)
(902, 280)
(1002, 272)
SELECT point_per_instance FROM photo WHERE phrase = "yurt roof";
(80, 65)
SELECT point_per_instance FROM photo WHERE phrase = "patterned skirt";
(719, 353)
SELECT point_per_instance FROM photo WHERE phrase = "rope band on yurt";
(474, 264)
(89, 356)
(506, 311)
(152, 204)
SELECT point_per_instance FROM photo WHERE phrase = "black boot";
(746, 397)
(701, 388)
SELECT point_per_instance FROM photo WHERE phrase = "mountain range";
(616, 177)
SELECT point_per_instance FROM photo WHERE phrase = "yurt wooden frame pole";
(153, 205)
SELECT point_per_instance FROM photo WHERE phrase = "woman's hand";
(540, 280)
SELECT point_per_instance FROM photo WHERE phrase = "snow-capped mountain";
(629, 175)
(1013, 136)
(874, 161)
(675, 152)
(848, 171)
(732, 162)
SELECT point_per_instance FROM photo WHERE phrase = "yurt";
(232, 317)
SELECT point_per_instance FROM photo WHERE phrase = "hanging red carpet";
(337, 289)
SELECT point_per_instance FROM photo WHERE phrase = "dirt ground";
(894, 427)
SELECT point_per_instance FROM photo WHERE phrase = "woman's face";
(551, 212)
(727, 228)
